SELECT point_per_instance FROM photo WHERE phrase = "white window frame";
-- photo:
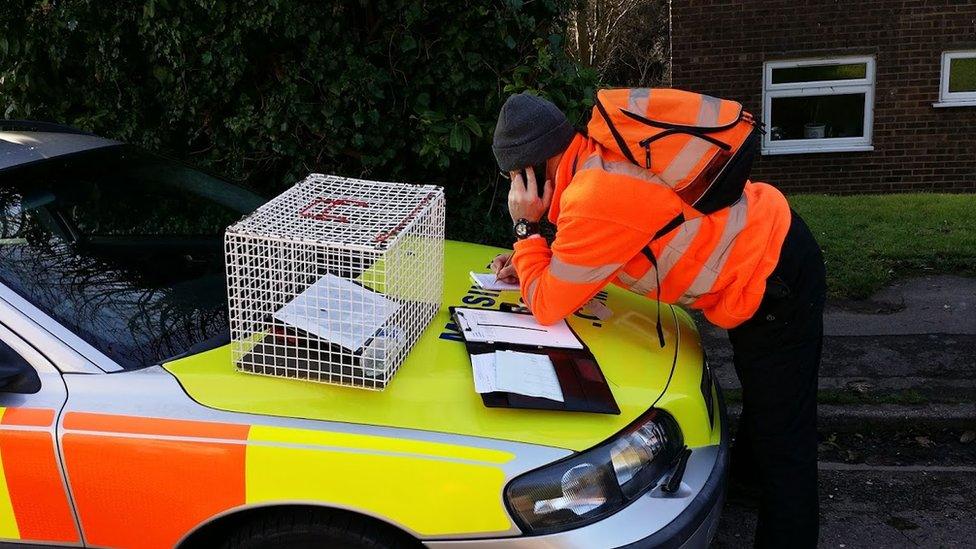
(946, 97)
(819, 88)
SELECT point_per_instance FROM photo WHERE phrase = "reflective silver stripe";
(626, 279)
(591, 162)
(716, 261)
(638, 99)
(669, 257)
(619, 167)
(581, 274)
(530, 292)
(691, 154)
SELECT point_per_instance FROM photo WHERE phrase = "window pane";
(962, 74)
(150, 199)
(850, 71)
(817, 116)
(122, 248)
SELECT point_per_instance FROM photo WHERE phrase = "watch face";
(524, 228)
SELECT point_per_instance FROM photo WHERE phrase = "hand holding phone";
(527, 199)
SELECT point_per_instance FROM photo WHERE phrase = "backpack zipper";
(671, 126)
(646, 142)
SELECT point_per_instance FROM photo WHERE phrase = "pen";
(507, 263)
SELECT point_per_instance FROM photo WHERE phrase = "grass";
(872, 240)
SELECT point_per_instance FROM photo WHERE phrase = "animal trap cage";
(335, 279)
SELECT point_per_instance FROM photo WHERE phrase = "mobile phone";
(540, 177)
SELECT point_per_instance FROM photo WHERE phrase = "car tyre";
(301, 529)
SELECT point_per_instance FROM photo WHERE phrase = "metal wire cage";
(335, 279)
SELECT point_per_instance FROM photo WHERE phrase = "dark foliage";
(266, 91)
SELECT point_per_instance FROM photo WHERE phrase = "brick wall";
(719, 48)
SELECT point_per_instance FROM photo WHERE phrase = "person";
(753, 268)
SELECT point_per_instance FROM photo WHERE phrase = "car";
(126, 424)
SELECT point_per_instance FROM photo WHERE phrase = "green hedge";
(266, 91)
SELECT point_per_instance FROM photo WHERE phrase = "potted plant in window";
(814, 129)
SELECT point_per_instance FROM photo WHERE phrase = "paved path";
(918, 335)
(912, 481)
(879, 507)
(926, 305)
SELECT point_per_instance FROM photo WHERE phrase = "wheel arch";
(208, 533)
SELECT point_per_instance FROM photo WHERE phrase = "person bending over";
(748, 262)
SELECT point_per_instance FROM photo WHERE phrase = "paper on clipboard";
(527, 374)
(481, 325)
(483, 368)
(513, 372)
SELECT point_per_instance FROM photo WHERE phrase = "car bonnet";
(433, 389)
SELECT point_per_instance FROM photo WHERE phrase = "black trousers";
(777, 356)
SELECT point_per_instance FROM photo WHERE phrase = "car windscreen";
(123, 248)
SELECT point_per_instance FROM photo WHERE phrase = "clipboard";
(584, 387)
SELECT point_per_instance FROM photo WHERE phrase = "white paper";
(527, 374)
(483, 367)
(488, 282)
(513, 372)
(338, 311)
(482, 325)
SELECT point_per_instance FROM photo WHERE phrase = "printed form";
(481, 325)
(513, 372)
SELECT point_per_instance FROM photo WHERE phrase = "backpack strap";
(621, 143)
(646, 250)
(668, 227)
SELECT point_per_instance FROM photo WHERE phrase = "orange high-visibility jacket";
(606, 210)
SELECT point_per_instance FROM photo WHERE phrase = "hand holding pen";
(503, 268)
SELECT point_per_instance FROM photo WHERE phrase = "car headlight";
(598, 482)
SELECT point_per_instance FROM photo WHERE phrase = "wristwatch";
(525, 228)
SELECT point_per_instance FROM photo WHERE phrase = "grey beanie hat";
(530, 130)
